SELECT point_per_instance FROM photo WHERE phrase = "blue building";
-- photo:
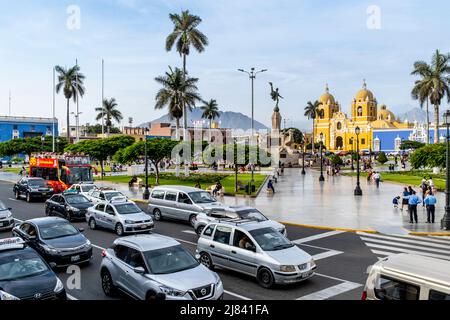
(26, 127)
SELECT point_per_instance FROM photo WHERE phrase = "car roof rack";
(237, 221)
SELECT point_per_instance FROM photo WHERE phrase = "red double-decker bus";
(61, 171)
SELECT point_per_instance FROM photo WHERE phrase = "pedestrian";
(431, 184)
(198, 185)
(413, 202)
(270, 186)
(405, 199)
(217, 188)
(377, 178)
(424, 188)
(430, 201)
(395, 202)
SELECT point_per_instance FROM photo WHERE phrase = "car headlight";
(88, 244)
(59, 286)
(313, 264)
(172, 292)
(74, 209)
(129, 222)
(287, 268)
(6, 296)
(50, 250)
(9, 215)
(218, 280)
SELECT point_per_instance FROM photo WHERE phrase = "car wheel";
(205, 259)
(92, 224)
(200, 230)
(157, 215)
(107, 284)
(192, 219)
(119, 229)
(47, 211)
(265, 278)
(17, 195)
(28, 197)
(69, 217)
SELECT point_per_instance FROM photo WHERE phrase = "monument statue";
(276, 96)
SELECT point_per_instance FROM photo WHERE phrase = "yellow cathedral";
(339, 131)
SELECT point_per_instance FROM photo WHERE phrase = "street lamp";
(353, 153)
(322, 178)
(445, 222)
(146, 194)
(303, 154)
(57, 145)
(358, 191)
(42, 143)
(252, 75)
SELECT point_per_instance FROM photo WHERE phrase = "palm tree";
(184, 35)
(312, 111)
(109, 112)
(210, 111)
(176, 93)
(71, 81)
(434, 84)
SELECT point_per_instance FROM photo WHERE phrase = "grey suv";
(250, 247)
(149, 267)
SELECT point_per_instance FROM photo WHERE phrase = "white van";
(408, 277)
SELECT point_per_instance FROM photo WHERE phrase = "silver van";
(180, 203)
(254, 249)
(408, 277)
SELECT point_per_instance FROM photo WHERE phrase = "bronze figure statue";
(276, 96)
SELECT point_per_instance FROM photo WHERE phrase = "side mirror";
(53, 265)
(81, 230)
(10, 209)
(197, 256)
(139, 270)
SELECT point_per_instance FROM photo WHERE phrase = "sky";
(303, 44)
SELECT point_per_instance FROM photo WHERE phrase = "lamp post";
(57, 145)
(42, 143)
(303, 154)
(322, 178)
(252, 75)
(146, 194)
(358, 191)
(445, 222)
(353, 154)
(235, 165)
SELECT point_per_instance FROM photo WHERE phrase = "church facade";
(338, 131)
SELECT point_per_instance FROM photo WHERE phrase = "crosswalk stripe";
(406, 245)
(383, 253)
(189, 232)
(431, 240)
(433, 255)
(331, 291)
(318, 236)
(408, 240)
(326, 254)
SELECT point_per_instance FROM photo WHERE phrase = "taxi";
(24, 275)
(120, 215)
(6, 219)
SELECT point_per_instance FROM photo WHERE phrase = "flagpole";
(53, 134)
(103, 98)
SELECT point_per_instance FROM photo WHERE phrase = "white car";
(102, 195)
(83, 188)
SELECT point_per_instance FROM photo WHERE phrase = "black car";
(32, 188)
(25, 275)
(56, 240)
(69, 205)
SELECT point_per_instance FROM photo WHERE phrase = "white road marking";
(236, 295)
(421, 241)
(398, 250)
(70, 297)
(407, 245)
(331, 291)
(12, 199)
(318, 236)
(326, 254)
(98, 247)
(330, 277)
(189, 232)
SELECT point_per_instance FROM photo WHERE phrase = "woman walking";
(405, 200)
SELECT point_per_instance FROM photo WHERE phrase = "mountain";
(228, 119)
(420, 115)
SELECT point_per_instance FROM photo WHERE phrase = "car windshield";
(201, 197)
(87, 188)
(127, 208)
(110, 195)
(252, 215)
(37, 183)
(77, 199)
(57, 230)
(170, 260)
(80, 174)
(3, 207)
(17, 266)
(270, 240)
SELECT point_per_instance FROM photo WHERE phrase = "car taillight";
(104, 253)
(364, 295)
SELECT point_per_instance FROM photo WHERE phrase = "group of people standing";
(412, 201)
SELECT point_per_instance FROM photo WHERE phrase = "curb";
(427, 234)
(140, 201)
(328, 228)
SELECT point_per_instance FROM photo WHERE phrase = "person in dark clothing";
(430, 201)
(270, 186)
(413, 202)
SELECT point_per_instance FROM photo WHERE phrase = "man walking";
(413, 202)
(430, 201)
(377, 178)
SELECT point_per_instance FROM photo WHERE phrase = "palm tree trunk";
(428, 124)
(313, 137)
(68, 121)
(157, 173)
(177, 165)
(436, 123)
(177, 128)
(186, 138)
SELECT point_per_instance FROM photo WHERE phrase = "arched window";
(321, 114)
(360, 111)
(339, 126)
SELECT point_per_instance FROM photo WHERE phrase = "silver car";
(149, 267)
(103, 194)
(120, 215)
(6, 218)
(251, 248)
(180, 203)
(235, 213)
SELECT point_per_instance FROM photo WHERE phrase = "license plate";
(144, 226)
(306, 274)
(75, 258)
(2, 224)
(44, 193)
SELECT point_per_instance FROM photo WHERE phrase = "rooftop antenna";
(9, 110)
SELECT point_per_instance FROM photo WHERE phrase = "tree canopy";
(30, 145)
(429, 156)
(408, 145)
